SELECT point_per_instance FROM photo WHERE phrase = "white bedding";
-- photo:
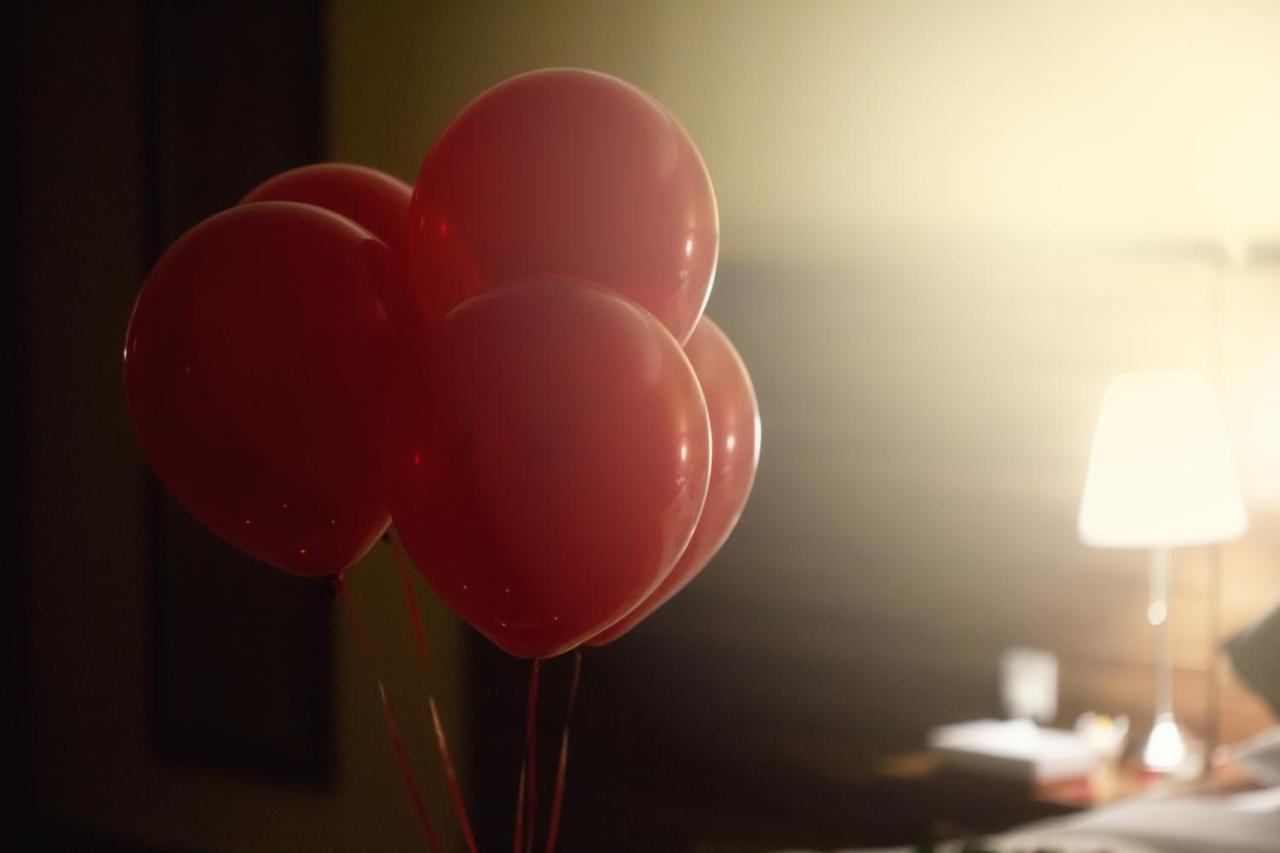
(1241, 823)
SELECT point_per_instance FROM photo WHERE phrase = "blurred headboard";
(1255, 655)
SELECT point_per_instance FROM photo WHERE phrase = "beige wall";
(955, 412)
(1125, 120)
(1014, 187)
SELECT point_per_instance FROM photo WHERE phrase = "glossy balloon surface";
(735, 453)
(256, 366)
(566, 173)
(548, 459)
(375, 200)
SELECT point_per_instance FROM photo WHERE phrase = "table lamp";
(1160, 476)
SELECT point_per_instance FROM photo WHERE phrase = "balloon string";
(442, 744)
(455, 790)
(410, 600)
(531, 744)
(553, 829)
(393, 730)
(517, 844)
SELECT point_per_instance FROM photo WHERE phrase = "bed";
(1247, 822)
(1242, 822)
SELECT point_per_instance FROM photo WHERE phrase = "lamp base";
(1165, 750)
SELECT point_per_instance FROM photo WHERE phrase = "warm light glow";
(1157, 612)
(1165, 750)
(1161, 472)
(1251, 403)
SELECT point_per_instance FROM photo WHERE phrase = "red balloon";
(548, 460)
(256, 369)
(735, 453)
(366, 196)
(572, 174)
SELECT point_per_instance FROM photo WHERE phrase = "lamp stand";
(1164, 750)
(1213, 693)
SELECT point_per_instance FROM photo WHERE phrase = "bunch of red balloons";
(508, 361)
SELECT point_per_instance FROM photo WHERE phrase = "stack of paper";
(1015, 749)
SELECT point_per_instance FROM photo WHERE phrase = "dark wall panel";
(233, 95)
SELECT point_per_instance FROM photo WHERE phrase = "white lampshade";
(1160, 474)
